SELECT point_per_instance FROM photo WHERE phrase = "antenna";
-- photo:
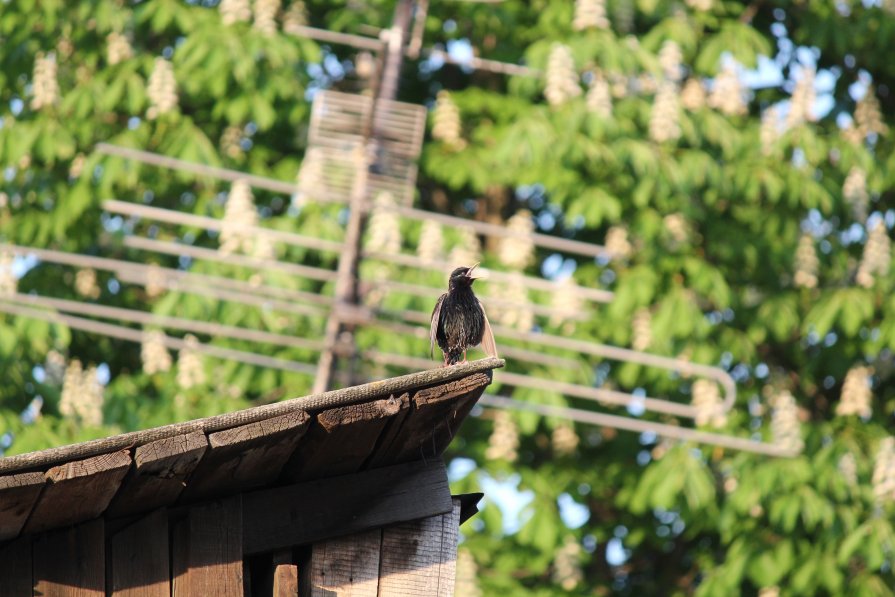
(361, 147)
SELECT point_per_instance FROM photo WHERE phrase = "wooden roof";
(376, 425)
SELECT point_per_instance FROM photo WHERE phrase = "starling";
(459, 321)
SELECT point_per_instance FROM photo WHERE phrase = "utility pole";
(339, 339)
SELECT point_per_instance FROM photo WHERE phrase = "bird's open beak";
(470, 270)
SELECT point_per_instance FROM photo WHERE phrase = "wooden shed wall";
(203, 551)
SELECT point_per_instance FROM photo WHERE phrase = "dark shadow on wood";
(68, 558)
(316, 510)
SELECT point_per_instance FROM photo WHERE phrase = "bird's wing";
(433, 326)
(488, 344)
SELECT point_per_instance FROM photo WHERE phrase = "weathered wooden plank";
(461, 397)
(208, 560)
(159, 474)
(433, 420)
(346, 566)
(450, 537)
(18, 494)
(362, 393)
(15, 567)
(315, 510)
(71, 562)
(419, 558)
(390, 435)
(341, 440)
(285, 575)
(140, 563)
(247, 456)
(180, 549)
(78, 491)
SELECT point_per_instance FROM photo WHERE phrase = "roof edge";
(313, 403)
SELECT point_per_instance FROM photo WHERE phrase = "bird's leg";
(463, 362)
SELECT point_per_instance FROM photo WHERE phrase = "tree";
(749, 228)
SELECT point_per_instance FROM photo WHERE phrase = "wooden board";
(433, 420)
(71, 562)
(18, 494)
(159, 474)
(420, 558)
(390, 436)
(208, 559)
(15, 567)
(140, 560)
(341, 440)
(346, 566)
(285, 575)
(459, 398)
(180, 546)
(78, 491)
(308, 512)
(247, 456)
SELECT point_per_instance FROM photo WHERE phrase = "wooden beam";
(452, 403)
(208, 550)
(285, 575)
(434, 419)
(15, 567)
(341, 440)
(78, 491)
(18, 494)
(346, 566)
(140, 560)
(390, 435)
(420, 558)
(312, 511)
(247, 456)
(71, 562)
(159, 475)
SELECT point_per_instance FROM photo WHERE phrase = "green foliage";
(719, 289)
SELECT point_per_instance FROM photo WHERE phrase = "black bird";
(459, 321)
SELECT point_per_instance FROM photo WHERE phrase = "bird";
(459, 321)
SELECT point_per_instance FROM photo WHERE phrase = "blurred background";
(683, 211)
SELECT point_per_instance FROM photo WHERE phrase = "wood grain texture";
(247, 456)
(315, 403)
(308, 512)
(460, 396)
(419, 558)
(285, 575)
(342, 439)
(208, 559)
(435, 416)
(390, 436)
(71, 562)
(180, 549)
(78, 491)
(159, 473)
(140, 558)
(18, 494)
(346, 566)
(15, 567)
